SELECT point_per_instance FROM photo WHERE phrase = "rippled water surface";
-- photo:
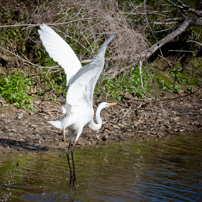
(166, 170)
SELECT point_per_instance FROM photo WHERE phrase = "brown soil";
(23, 130)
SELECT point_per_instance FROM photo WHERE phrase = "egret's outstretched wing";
(81, 89)
(60, 51)
(82, 84)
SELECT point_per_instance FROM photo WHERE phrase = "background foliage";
(85, 25)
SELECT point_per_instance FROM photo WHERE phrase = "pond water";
(169, 169)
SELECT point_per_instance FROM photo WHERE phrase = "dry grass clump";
(83, 24)
(90, 22)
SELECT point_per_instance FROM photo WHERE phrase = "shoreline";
(23, 130)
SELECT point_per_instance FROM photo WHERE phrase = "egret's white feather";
(80, 89)
(60, 51)
(57, 124)
(63, 109)
(82, 84)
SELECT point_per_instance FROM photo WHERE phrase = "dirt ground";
(24, 130)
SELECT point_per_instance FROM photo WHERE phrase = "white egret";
(81, 81)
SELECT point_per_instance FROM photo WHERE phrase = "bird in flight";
(78, 109)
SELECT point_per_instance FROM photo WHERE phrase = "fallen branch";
(166, 39)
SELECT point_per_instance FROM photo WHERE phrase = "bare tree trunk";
(165, 40)
(147, 53)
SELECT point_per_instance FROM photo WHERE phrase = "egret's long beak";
(110, 104)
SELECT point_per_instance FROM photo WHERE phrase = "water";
(164, 170)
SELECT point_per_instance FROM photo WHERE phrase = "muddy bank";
(23, 130)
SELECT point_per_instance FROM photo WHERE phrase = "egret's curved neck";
(92, 124)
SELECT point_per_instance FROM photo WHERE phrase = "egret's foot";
(73, 181)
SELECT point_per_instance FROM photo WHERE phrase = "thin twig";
(195, 42)
(183, 51)
(50, 24)
(140, 72)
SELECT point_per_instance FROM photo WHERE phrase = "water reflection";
(165, 170)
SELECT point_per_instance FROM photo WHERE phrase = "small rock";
(20, 116)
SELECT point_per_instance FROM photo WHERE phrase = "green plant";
(125, 84)
(165, 83)
(15, 89)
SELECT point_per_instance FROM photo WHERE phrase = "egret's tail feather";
(61, 124)
(57, 123)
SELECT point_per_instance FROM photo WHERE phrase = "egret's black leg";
(68, 158)
(70, 170)
(74, 173)
(73, 179)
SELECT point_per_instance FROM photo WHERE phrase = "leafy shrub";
(15, 89)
